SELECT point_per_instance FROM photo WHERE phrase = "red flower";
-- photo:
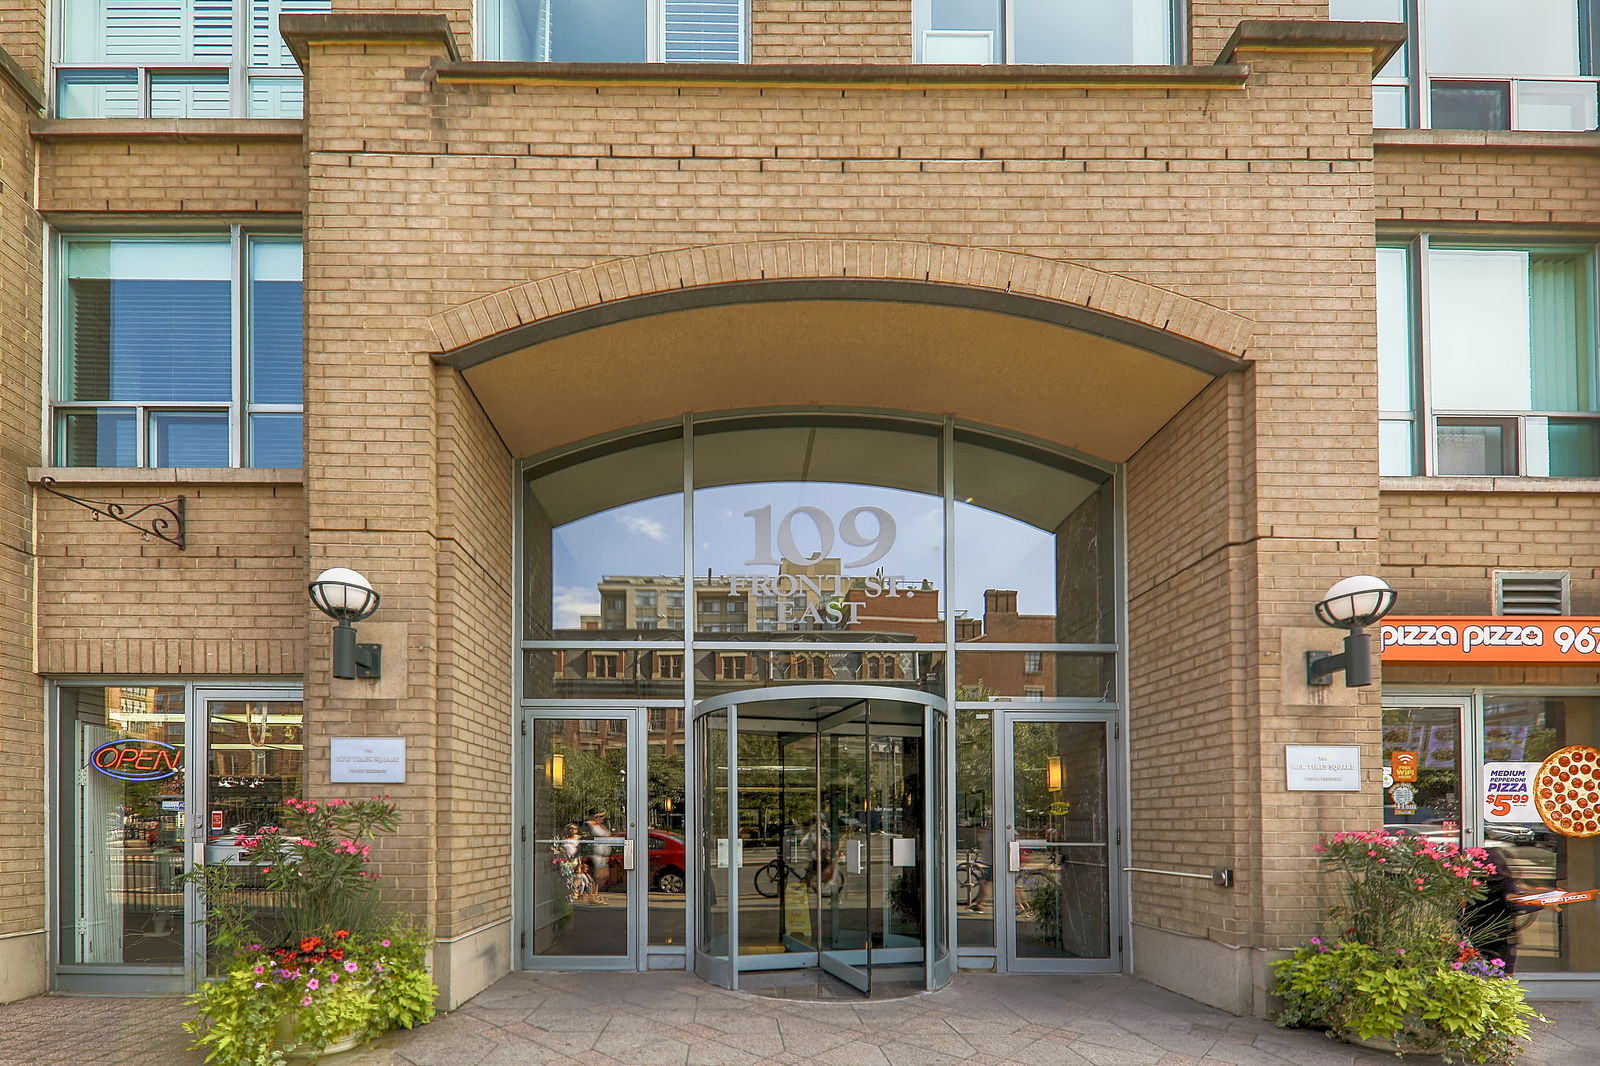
(342, 934)
(337, 953)
(310, 943)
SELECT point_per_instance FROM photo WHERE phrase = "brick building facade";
(1161, 273)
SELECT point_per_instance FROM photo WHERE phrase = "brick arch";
(1167, 322)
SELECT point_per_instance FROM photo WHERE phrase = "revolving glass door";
(821, 858)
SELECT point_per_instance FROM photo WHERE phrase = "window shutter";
(267, 46)
(146, 32)
(1530, 591)
(139, 31)
(703, 31)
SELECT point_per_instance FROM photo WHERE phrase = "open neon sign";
(137, 760)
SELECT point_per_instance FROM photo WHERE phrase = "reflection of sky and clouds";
(645, 539)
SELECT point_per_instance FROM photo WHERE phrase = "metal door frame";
(141, 978)
(530, 853)
(1004, 891)
(936, 715)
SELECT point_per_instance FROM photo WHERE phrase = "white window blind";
(702, 31)
(267, 46)
(148, 32)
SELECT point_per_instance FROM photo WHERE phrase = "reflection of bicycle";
(971, 873)
(769, 879)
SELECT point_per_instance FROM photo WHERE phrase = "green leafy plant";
(1398, 970)
(301, 999)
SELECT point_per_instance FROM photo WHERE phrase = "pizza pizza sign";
(1566, 791)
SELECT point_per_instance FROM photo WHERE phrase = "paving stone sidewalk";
(675, 1019)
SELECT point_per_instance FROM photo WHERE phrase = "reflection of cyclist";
(817, 846)
(599, 854)
(1491, 923)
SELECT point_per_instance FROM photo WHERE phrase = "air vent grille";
(1531, 591)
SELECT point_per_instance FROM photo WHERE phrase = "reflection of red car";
(667, 861)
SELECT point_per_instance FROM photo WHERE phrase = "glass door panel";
(895, 827)
(845, 859)
(123, 825)
(581, 837)
(779, 843)
(1058, 897)
(255, 759)
(1421, 760)
(715, 837)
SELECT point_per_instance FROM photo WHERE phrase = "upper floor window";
(616, 31)
(1485, 64)
(1044, 31)
(178, 351)
(177, 59)
(1495, 374)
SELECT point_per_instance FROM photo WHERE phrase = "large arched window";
(690, 560)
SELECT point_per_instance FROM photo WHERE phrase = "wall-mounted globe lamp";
(347, 597)
(1351, 605)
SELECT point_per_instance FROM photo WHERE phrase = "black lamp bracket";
(162, 519)
(1355, 662)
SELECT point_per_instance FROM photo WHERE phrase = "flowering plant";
(1399, 970)
(303, 997)
(318, 859)
(311, 967)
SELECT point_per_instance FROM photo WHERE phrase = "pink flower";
(306, 1002)
(385, 943)
(313, 984)
(351, 967)
(260, 969)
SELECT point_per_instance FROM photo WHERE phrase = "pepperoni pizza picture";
(1566, 790)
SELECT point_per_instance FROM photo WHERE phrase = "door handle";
(627, 854)
(857, 851)
(1014, 859)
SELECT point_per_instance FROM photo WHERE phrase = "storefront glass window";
(123, 824)
(1535, 827)
(1422, 771)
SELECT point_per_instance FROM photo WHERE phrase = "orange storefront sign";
(1492, 639)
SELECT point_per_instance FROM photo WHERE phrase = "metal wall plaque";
(1323, 767)
(380, 760)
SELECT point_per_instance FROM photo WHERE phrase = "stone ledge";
(1488, 139)
(301, 30)
(30, 89)
(1542, 486)
(169, 129)
(1382, 39)
(903, 76)
(171, 475)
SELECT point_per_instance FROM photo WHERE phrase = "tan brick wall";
(1440, 548)
(830, 31)
(475, 735)
(213, 174)
(1490, 181)
(231, 603)
(1189, 702)
(22, 877)
(1211, 22)
(22, 34)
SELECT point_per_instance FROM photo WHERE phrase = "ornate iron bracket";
(165, 522)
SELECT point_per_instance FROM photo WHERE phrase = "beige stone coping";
(1542, 486)
(170, 129)
(170, 475)
(1490, 139)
